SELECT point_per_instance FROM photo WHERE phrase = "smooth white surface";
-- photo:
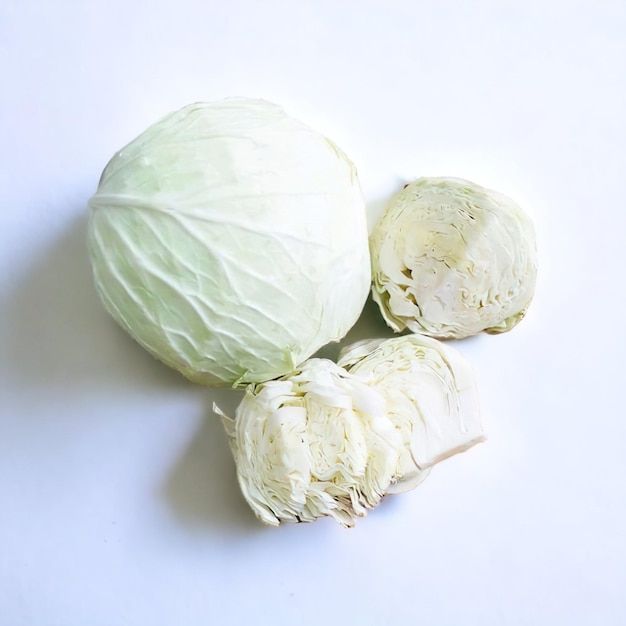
(118, 502)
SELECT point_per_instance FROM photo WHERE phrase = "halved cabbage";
(451, 259)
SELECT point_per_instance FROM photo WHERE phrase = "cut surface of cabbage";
(451, 259)
(334, 439)
(313, 444)
(430, 393)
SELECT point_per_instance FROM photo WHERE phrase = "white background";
(118, 499)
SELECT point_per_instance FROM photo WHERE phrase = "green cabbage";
(230, 241)
(334, 439)
(314, 443)
(430, 395)
(451, 259)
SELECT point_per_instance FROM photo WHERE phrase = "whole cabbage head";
(230, 241)
(451, 259)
